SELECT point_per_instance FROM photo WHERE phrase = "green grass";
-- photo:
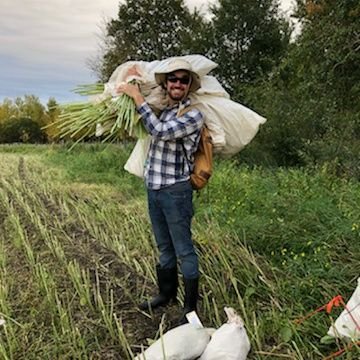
(76, 254)
(96, 164)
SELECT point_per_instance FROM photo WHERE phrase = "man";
(175, 137)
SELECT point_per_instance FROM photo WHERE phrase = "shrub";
(23, 130)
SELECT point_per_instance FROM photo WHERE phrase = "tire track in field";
(17, 275)
(77, 241)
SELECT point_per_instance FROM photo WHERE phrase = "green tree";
(28, 106)
(52, 114)
(6, 110)
(249, 39)
(150, 30)
(53, 109)
(24, 130)
(329, 48)
(311, 101)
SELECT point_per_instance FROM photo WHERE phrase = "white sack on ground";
(185, 342)
(344, 325)
(230, 341)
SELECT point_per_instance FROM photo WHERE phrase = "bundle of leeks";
(113, 118)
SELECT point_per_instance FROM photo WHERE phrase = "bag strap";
(181, 112)
(181, 141)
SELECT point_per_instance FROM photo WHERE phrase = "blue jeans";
(171, 211)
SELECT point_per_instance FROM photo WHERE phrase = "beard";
(177, 94)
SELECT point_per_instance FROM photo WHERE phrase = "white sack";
(185, 342)
(145, 76)
(199, 63)
(344, 326)
(146, 72)
(211, 86)
(128, 71)
(230, 341)
(232, 125)
(139, 71)
(136, 162)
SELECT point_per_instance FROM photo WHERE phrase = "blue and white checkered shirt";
(166, 162)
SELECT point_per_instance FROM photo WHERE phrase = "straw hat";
(175, 65)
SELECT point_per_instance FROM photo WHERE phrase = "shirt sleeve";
(172, 128)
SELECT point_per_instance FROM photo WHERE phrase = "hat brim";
(160, 79)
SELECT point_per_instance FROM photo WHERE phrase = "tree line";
(27, 120)
(307, 85)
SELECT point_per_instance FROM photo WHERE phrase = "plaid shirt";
(171, 135)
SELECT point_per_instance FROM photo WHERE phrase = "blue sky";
(45, 45)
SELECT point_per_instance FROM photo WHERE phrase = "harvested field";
(77, 256)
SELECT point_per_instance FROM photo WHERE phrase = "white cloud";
(45, 44)
(49, 40)
(43, 31)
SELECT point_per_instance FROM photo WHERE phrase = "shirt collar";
(183, 104)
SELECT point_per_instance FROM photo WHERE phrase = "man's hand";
(131, 90)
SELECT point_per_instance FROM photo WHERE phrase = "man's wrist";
(139, 100)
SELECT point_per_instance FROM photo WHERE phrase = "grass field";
(77, 255)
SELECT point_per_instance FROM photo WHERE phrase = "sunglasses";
(185, 80)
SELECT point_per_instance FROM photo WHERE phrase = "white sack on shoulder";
(211, 86)
(152, 92)
(230, 341)
(199, 63)
(139, 71)
(128, 71)
(135, 164)
(344, 325)
(185, 342)
(232, 125)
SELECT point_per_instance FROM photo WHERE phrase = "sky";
(45, 45)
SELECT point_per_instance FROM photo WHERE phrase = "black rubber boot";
(190, 299)
(168, 284)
